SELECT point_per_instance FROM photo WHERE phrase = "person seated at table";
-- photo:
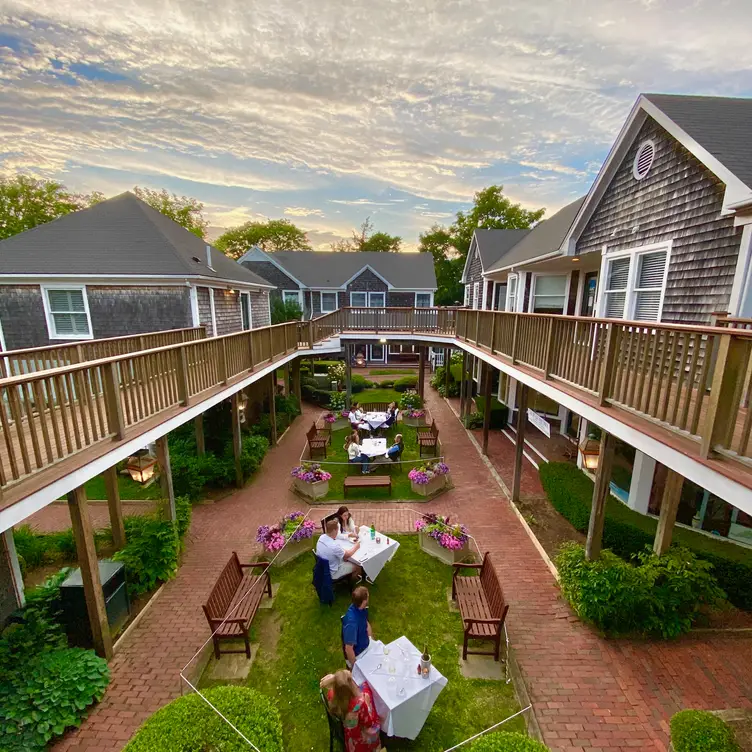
(391, 414)
(347, 527)
(395, 451)
(355, 453)
(355, 707)
(356, 629)
(338, 556)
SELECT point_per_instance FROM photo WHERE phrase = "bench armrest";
(460, 565)
(235, 620)
(264, 564)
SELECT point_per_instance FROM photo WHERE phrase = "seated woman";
(355, 416)
(348, 530)
(391, 413)
(355, 707)
(354, 452)
(395, 451)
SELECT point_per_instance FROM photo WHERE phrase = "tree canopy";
(449, 246)
(26, 202)
(273, 235)
(186, 211)
(365, 239)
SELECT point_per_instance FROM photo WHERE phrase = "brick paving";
(55, 517)
(590, 694)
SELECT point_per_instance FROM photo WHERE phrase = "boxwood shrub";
(189, 724)
(627, 532)
(700, 731)
(405, 383)
(499, 411)
(507, 741)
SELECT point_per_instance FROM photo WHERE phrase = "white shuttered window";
(649, 285)
(512, 292)
(635, 285)
(68, 313)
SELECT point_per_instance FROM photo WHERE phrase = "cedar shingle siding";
(475, 268)
(204, 310)
(260, 309)
(679, 199)
(227, 312)
(273, 276)
(115, 312)
(366, 282)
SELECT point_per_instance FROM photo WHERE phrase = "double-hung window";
(476, 295)
(291, 296)
(358, 299)
(635, 284)
(67, 312)
(245, 310)
(512, 281)
(376, 299)
(328, 302)
(549, 293)
(422, 299)
(467, 296)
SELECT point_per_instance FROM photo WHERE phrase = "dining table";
(374, 552)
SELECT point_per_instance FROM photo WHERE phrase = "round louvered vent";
(643, 160)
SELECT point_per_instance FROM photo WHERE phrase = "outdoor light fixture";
(383, 340)
(590, 449)
(141, 466)
(242, 407)
(576, 258)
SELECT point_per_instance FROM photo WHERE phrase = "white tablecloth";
(373, 447)
(371, 555)
(403, 697)
(375, 420)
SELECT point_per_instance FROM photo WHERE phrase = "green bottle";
(373, 532)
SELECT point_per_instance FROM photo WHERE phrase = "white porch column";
(581, 436)
(642, 482)
(563, 418)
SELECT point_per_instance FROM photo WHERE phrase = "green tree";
(287, 310)
(186, 211)
(491, 210)
(273, 235)
(26, 202)
(368, 240)
(448, 265)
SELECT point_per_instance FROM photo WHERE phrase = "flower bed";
(428, 478)
(335, 421)
(414, 417)
(310, 480)
(450, 543)
(288, 539)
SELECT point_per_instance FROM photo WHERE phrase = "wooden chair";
(336, 729)
(316, 442)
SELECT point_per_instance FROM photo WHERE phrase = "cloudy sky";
(326, 112)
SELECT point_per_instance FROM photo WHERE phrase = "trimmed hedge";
(499, 411)
(627, 532)
(700, 731)
(188, 724)
(358, 383)
(507, 741)
(405, 383)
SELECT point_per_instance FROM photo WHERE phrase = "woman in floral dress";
(355, 707)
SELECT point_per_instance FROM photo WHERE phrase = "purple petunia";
(451, 537)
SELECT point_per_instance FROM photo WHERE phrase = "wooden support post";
(487, 379)
(348, 375)
(198, 424)
(462, 384)
(447, 369)
(288, 388)
(273, 407)
(422, 371)
(271, 343)
(672, 491)
(184, 392)
(116, 508)
(113, 405)
(296, 383)
(519, 447)
(87, 561)
(8, 551)
(237, 447)
(165, 475)
(609, 363)
(600, 496)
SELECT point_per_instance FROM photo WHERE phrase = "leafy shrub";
(388, 384)
(287, 310)
(410, 400)
(627, 532)
(358, 383)
(474, 420)
(189, 724)
(658, 595)
(454, 390)
(337, 401)
(49, 693)
(287, 404)
(254, 449)
(405, 383)
(499, 411)
(322, 366)
(700, 731)
(307, 381)
(507, 741)
(337, 372)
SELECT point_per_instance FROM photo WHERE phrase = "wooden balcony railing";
(17, 362)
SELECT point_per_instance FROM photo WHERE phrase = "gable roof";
(120, 236)
(544, 239)
(715, 130)
(492, 245)
(335, 269)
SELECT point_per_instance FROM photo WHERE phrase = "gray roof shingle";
(122, 235)
(493, 244)
(546, 237)
(722, 125)
(320, 269)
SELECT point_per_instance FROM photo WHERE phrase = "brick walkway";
(56, 517)
(590, 695)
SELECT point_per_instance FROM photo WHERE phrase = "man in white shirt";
(338, 556)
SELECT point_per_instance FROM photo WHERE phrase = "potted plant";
(310, 480)
(428, 478)
(411, 406)
(450, 543)
(335, 421)
(287, 540)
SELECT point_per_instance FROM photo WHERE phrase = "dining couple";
(358, 422)
(355, 453)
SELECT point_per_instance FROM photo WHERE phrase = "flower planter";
(292, 550)
(448, 556)
(430, 488)
(339, 424)
(414, 421)
(312, 490)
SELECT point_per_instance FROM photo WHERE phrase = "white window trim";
(633, 253)
(213, 312)
(507, 301)
(321, 300)
(376, 360)
(430, 294)
(382, 293)
(2, 341)
(195, 315)
(568, 275)
(358, 292)
(48, 313)
(467, 296)
(476, 291)
(297, 294)
(244, 298)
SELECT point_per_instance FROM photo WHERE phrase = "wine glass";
(386, 649)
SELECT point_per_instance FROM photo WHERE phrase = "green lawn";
(129, 489)
(400, 482)
(377, 395)
(300, 642)
(391, 372)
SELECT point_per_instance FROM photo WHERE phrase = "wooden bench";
(428, 438)
(324, 429)
(236, 593)
(374, 407)
(316, 441)
(367, 481)
(481, 604)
